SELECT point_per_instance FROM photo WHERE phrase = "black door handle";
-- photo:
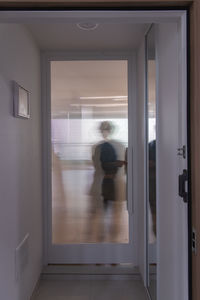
(182, 180)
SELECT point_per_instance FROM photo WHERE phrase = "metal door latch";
(183, 178)
(194, 241)
(182, 151)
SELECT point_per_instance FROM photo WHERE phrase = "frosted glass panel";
(89, 135)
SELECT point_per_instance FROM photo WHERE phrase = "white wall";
(172, 211)
(140, 154)
(20, 163)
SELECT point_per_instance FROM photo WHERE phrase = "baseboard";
(36, 289)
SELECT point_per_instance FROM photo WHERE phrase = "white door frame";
(178, 61)
(93, 252)
(174, 236)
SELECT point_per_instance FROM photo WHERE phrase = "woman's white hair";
(106, 125)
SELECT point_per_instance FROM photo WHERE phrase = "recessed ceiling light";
(105, 97)
(87, 25)
(99, 105)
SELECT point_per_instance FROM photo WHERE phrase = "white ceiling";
(67, 36)
(72, 80)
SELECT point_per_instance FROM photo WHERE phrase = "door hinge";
(183, 178)
(182, 151)
(194, 241)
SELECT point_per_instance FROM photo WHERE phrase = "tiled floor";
(90, 290)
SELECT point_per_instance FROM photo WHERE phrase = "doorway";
(92, 203)
(143, 251)
(139, 257)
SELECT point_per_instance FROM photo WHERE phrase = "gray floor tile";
(91, 290)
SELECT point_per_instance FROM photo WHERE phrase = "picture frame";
(21, 102)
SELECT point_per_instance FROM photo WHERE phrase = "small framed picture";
(21, 102)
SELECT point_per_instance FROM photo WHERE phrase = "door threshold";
(106, 277)
(100, 271)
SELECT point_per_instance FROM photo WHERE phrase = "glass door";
(89, 221)
(151, 162)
